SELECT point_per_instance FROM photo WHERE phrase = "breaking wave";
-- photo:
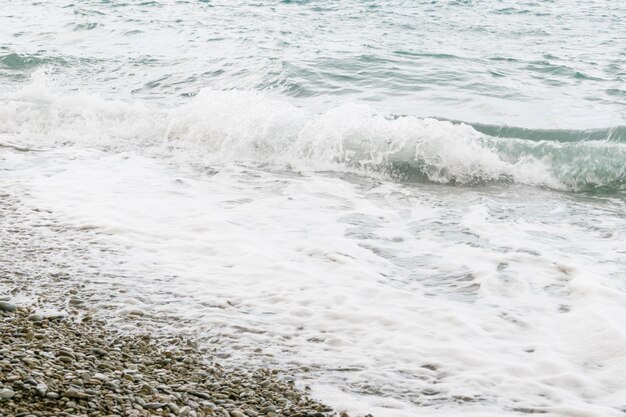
(220, 127)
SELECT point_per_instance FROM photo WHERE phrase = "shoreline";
(53, 365)
(62, 355)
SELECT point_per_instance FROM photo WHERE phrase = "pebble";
(237, 413)
(6, 394)
(173, 408)
(200, 395)
(6, 306)
(147, 389)
(41, 389)
(75, 301)
(74, 393)
(35, 318)
(153, 406)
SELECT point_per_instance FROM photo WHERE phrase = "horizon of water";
(421, 202)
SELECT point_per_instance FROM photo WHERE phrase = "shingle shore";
(59, 366)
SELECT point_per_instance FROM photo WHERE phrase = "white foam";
(447, 303)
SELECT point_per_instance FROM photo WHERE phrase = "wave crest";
(218, 127)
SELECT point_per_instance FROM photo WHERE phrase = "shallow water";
(421, 203)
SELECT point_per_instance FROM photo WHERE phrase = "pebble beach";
(58, 358)
(57, 366)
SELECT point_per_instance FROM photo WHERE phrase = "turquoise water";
(420, 201)
(544, 64)
(550, 74)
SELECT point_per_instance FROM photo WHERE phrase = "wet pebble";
(6, 393)
(35, 318)
(6, 306)
(236, 413)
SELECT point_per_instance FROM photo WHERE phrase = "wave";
(612, 134)
(221, 127)
(15, 61)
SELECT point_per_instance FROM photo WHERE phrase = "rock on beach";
(7, 306)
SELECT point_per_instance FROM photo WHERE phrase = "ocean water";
(416, 208)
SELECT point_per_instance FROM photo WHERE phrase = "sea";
(411, 208)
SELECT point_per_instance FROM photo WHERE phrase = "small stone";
(6, 306)
(75, 301)
(173, 408)
(135, 312)
(200, 395)
(237, 413)
(153, 406)
(35, 318)
(53, 395)
(147, 389)
(74, 393)
(41, 389)
(66, 351)
(6, 393)
(184, 411)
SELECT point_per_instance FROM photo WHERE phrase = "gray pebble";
(237, 413)
(173, 408)
(35, 318)
(75, 301)
(6, 306)
(74, 393)
(41, 389)
(153, 406)
(6, 394)
(147, 389)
